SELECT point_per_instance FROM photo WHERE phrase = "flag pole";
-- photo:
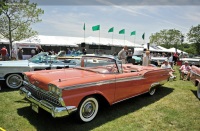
(84, 36)
(99, 41)
(112, 37)
(124, 38)
(134, 39)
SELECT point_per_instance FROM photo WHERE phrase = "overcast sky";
(66, 18)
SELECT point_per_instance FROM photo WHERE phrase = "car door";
(128, 85)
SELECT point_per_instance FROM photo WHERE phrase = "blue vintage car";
(10, 71)
(138, 59)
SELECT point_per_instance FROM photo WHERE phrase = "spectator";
(166, 65)
(171, 60)
(68, 51)
(185, 69)
(122, 55)
(39, 49)
(129, 55)
(175, 57)
(14, 54)
(84, 51)
(33, 52)
(49, 52)
(146, 58)
(4, 53)
(20, 54)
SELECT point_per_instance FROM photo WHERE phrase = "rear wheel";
(14, 81)
(152, 91)
(88, 109)
(198, 91)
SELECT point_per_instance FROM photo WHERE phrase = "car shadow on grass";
(195, 93)
(4, 88)
(44, 120)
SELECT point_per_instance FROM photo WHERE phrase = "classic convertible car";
(10, 70)
(82, 89)
(195, 78)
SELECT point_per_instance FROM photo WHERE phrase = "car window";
(102, 65)
(43, 58)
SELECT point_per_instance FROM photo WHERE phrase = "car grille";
(43, 95)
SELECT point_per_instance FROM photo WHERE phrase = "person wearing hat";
(166, 65)
(185, 69)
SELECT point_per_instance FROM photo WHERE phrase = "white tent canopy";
(4, 41)
(51, 40)
(162, 49)
(107, 41)
(179, 51)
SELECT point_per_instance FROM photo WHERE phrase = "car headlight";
(54, 89)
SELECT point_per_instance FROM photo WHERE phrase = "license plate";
(35, 107)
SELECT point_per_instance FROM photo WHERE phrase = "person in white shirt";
(166, 65)
(122, 55)
(171, 60)
(146, 58)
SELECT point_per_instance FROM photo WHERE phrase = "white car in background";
(192, 61)
(11, 71)
(158, 60)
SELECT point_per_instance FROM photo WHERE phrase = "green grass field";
(175, 106)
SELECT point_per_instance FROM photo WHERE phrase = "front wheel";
(14, 81)
(88, 109)
(198, 91)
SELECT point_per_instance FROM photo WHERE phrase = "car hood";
(63, 78)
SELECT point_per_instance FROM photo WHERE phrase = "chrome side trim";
(55, 111)
(103, 82)
(195, 73)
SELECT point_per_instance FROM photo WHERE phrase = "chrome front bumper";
(55, 111)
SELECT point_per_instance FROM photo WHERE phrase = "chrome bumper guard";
(55, 111)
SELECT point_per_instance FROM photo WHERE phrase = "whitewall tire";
(88, 109)
(14, 81)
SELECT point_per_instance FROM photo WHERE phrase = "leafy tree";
(16, 19)
(165, 37)
(194, 37)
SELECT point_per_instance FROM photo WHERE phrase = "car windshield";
(104, 65)
(43, 57)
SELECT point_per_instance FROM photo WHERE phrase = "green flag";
(84, 26)
(133, 33)
(111, 29)
(122, 31)
(143, 36)
(95, 28)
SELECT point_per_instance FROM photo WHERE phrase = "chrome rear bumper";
(55, 111)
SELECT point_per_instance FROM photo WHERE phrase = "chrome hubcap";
(88, 109)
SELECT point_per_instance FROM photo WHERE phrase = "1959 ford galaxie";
(195, 78)
(80, 89)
